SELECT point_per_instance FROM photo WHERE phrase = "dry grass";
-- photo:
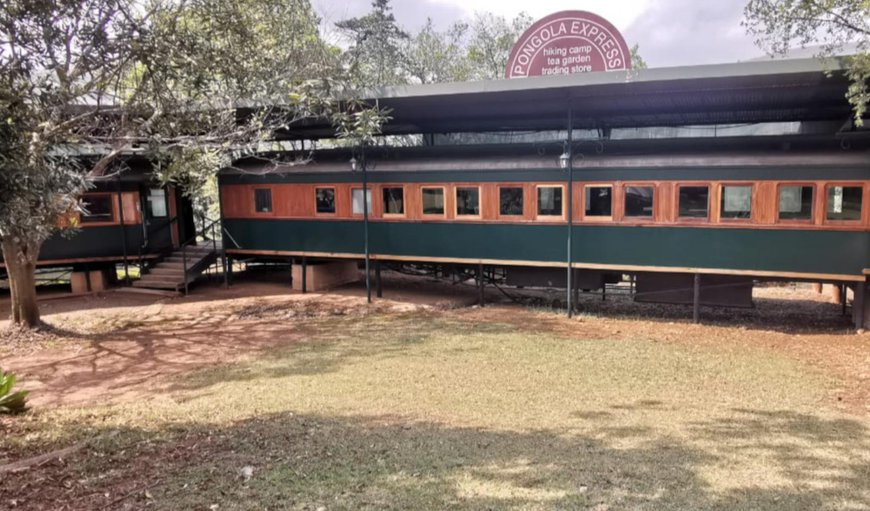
(448, 410)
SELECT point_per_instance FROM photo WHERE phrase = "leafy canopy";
(834, 25)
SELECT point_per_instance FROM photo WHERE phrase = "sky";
(669, 32)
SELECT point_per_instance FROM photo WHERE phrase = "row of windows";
(795, 201)
(100, 207)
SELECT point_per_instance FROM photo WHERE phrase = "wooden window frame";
(113, 199)
(561, 217)
(498, 214)
(271, 200)
(798, 221)
(334, 198)
(456, 214)
(371, 205)
(433, 216)
(404, 212)
(693, 220)
(598, 219)
(147, 199)
(638, 219)
(753, 206)
(846, 184)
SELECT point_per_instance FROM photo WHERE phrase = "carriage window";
(510, 199)
(844, 202)
(795, 202)
(325, 200)
(97, 208)
(394, 200)
(639, 201)
(468, 201)
(357, 201)
(549, 201)
(694, 201)
(433, 201)
(156, 203)
(263, 200)
(736, 201)
(599, 201)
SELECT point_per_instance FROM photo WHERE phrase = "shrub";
(11, 402)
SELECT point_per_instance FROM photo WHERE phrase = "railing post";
(184, 265)
(214, 248)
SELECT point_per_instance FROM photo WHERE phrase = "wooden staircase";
(180, 268)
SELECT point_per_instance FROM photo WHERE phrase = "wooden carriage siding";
(297, 201)
(763, 245)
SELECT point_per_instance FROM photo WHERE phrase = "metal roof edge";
(660, 74)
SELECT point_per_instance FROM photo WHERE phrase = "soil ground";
(423, 400)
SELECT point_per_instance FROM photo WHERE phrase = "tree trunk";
(20, 261)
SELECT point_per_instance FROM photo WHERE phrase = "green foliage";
(433, 56)
(11, 402)
(375, 56)
(834, 25)
(489, 46)
(195, 83)
(637, 61)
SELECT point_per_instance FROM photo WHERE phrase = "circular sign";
(568, 42)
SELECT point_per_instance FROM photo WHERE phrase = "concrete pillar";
(836, 295)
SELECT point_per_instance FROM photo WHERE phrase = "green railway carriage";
(127, 217)
(746, 172)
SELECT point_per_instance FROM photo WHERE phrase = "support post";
(366, 221)
(696, 300)
(184, 264)
(844, 294)
(859, 305)
(229, 274)
(575, 291)
(570, 152)
(380, 290)
(481, 300)
(304, 275)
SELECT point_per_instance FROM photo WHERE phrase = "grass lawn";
(458, 410)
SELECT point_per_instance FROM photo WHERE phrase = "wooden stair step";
(158, 285)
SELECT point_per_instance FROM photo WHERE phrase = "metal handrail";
(230, 236)
(210, 227)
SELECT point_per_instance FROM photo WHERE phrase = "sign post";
(568, 42)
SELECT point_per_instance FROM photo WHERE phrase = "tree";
(432, 56)
(489, 46)
(637, 61)
(780, 25)
(375, 56)
(195, 83)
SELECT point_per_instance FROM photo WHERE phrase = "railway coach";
(699, 181)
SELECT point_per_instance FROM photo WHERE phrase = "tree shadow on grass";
(309, 461)
(141, 357)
